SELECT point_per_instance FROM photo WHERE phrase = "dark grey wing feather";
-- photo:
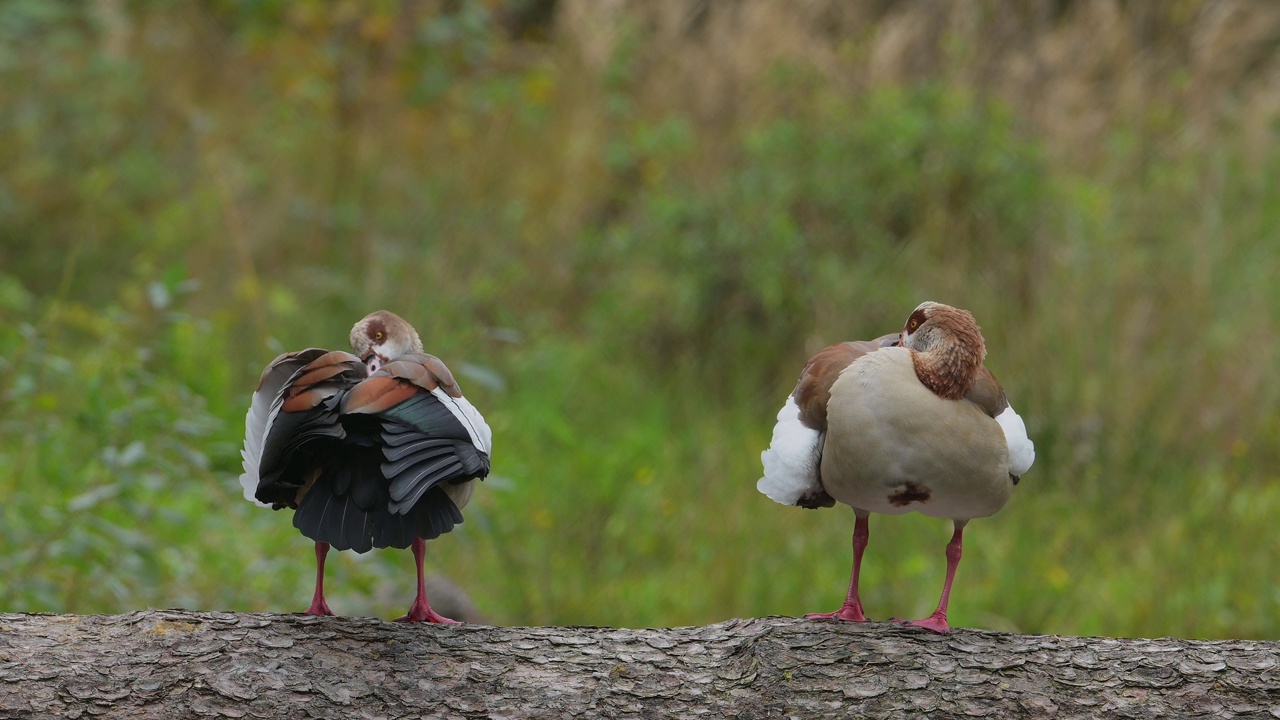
(424, 445)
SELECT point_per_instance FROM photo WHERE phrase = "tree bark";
(168, 664)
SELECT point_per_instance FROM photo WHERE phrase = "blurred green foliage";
(627, 294)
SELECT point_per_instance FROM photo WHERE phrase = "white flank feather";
(791, 462)
(263, 409)
(1022, 452)
(255, 430)
(477, 428)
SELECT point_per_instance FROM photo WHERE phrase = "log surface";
(168, 664)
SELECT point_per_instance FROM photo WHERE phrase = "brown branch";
(171, 664)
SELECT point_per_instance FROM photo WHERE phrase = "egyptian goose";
(907, 422)
(376, 449)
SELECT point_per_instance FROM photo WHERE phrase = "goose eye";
(915, 321)
(377, 335)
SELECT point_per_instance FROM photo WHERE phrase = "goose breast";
(893, 446)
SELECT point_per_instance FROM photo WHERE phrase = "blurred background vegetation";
(625, 226)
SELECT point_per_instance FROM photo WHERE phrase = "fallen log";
(168, 664)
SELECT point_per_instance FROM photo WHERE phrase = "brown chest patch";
(910, 492)
(949, 376)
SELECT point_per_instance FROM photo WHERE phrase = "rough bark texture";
(174, 664)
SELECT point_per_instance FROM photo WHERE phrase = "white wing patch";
(263, 409)
(791, 462)
(255, 431)
(1022, 452)
(477, 428)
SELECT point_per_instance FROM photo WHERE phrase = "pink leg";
(318, 605)
(851, 610)
(937, 622)
(421, 610)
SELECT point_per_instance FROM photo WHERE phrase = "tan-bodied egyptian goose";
(376, 449)
(907, 423)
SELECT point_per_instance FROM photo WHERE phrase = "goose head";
(947, 346)
(381, 337)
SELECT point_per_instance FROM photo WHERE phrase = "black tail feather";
(369, 491)
(349, 508)
(392, 530)
(342, 506)
(434, 515)
(325, 516)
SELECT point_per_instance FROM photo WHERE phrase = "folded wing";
(365, 460)
(263, 410)
(793, 460)
(988, 395)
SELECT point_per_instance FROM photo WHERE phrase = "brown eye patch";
(377, 331)
(915, 321)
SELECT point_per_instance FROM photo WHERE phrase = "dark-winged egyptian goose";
(376, 449)
(907, 422)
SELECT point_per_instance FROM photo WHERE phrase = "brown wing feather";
(987, 393)
(324, 367)
(425, 371)
(303, 356)
(400, 380)
(309, 398)
(310, 388)
(378, 393)
(813, 389)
